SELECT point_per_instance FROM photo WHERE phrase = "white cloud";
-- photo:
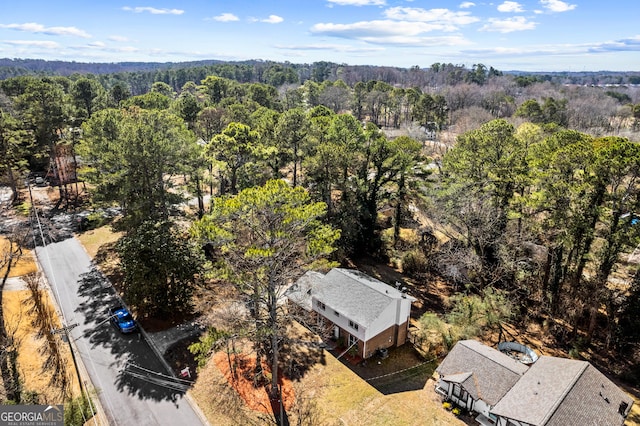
(153, 10)
(466, 5)
(332, 47)
(404, 33)
(510, 7)
(126, 49)
(407, 41)
(517, 23)
(226, 17)
(358, 2)
(557, 5)
(630, 44)
(118, 38)
(102, 47)
(445, 17)
(32, 27)
(33, 43)
(372, 29)
(273, 19)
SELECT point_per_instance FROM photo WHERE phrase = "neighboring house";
(358, 310)
(551, 392)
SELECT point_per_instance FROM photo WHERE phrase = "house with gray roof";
(359, 310)
(550, 392)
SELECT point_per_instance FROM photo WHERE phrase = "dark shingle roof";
(593, 401)
(493, 372)
(535, 397)
(563, 392)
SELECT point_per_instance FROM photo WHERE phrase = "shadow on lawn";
(298, 355)
(403, 370)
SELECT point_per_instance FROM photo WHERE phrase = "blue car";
(122, 319)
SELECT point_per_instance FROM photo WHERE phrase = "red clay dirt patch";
(256, 398)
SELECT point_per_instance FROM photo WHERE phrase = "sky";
(526, 35)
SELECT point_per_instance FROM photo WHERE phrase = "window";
(456, 390)
(353, 325)
(336, 313)
(320, 305)
(352, 340)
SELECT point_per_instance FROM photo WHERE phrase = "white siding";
(396, 313)
(481, 407)
(340, 320)
(386, 319)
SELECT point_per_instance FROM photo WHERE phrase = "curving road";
(131, 381)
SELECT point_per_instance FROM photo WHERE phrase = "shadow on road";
(139, 371)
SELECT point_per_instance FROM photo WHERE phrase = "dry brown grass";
(15, 304)
(328, 394)
(26, 264)
(634, 414)
(96, 238)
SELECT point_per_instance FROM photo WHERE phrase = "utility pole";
(64, 331)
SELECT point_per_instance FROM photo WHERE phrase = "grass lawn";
(94, 239)
(329, 393)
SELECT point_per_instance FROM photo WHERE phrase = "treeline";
(276, 73)
(141, 75)
(538, 196)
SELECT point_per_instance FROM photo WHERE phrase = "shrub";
(77, 410)
(574, 353)
(24, 208)
(95, 220)
(414, 263)
(206, 344)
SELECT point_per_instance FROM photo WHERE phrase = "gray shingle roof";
(300, 291)
(536, 396)
(559, 391)
(593, 401)
(356, 295)
(552, 392)
(493, 372)
(352, 293)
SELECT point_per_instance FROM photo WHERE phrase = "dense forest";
(277, 73)
(521, 188)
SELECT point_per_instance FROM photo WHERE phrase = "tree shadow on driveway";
(137, 370)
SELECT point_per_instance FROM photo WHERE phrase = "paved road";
(130, 379)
